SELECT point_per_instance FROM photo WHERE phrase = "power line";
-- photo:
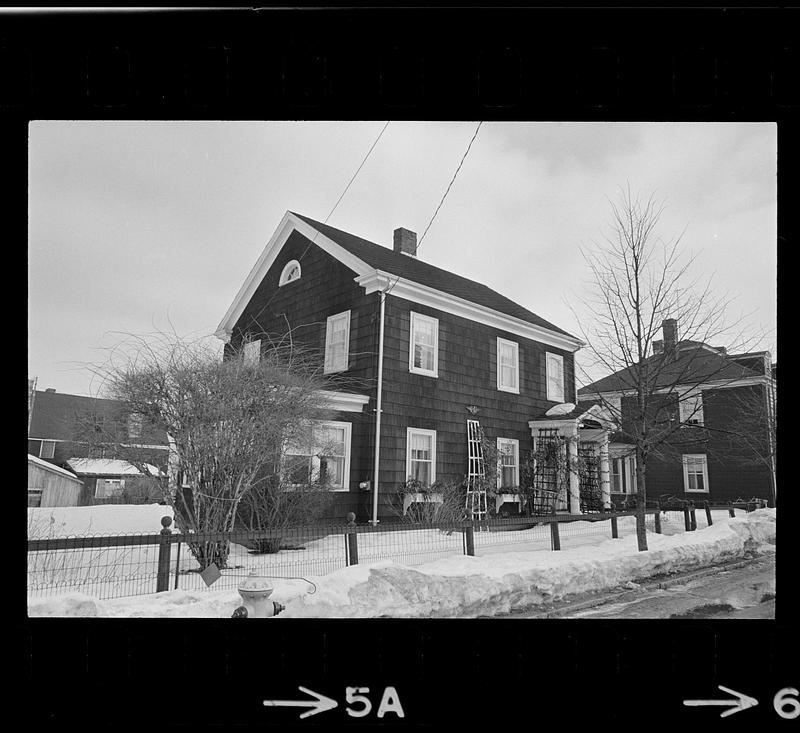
(463, 158)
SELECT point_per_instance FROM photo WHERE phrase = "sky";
(153, 226)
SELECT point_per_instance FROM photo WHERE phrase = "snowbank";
(459, 586)
(110, 519)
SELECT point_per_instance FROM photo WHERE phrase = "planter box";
(500, 499)
(421, 497)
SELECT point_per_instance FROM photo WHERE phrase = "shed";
(49, 485)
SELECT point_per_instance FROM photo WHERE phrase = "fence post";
(731, 510)
(177, 564)
(162, 579)
(687, 520)
(657, 518)
(708, 514)
(555, 540)
(469, 539)
(352, 539)
(692, 517)
(614, 528)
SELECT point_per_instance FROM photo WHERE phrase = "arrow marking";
(742, 703)
(320, 705)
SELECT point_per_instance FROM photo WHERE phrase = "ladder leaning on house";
(476, 487)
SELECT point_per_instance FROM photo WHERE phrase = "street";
(742, 589)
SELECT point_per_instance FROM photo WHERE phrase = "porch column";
(574, 478)
(605, 478)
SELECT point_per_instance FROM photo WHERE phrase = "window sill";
(335, 371)
(508, 389)
(423, 373)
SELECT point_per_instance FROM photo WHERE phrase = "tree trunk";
(641, 503)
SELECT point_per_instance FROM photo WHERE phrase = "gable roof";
(376, 266)
(691, 366)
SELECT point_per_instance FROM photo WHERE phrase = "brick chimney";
(405, 241)
(670, 329)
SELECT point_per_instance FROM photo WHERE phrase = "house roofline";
(690, 388)
(372, 280)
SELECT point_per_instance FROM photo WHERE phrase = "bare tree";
(640, 284)
(228, 423)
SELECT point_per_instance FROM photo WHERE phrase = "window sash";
(508, 463)
(507, 365)
(421, 455)
(695, 472)
(47, 449)
(424, 345)
(555, 377)
(323, 456)
(337, 343)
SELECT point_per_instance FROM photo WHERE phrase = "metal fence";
(127, 565)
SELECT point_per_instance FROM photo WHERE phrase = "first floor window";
(508, 463)
(108, 487)
(695, 472)
(623, 475)
(34, 497)
(321, 455)
(421, 455)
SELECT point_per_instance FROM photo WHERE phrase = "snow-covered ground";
(511, 570)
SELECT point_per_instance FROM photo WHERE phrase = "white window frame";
(500, 452)
(284, 278)
(418, 317)
(690, 409)
(42, 450)
(331, 366)
(348, 432)
(251, 351)
(691, 457)
(500, 385)
(432, 435)
(628, 474)
(548, 361)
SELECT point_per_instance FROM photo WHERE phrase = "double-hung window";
(320, 455)
(423, 355)
(337, 343)
(623, 475)
(507, 366)
(421, 455)
(695, 472)
(555, 377)
(507, 463)
(691, 409)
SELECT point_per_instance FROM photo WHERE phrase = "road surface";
(741, 589)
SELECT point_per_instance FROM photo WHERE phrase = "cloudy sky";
(138, 227)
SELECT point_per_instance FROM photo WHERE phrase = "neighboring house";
(452, 350)
(61, 428)
(723, 408)
(108, 478)
(49, 485)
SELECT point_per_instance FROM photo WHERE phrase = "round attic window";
(290, 273)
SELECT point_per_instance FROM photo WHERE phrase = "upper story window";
(134, 426)
(337, 343)
(290, 273)
(251, 351)
(614, 406)
(321, 456)
(507, 463)
(507, 366)
(695, 472)
(691, 409)
(42, 448)
(424, 345)
(421, 455)
(555, 377)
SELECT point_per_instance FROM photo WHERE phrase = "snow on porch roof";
(108, 467)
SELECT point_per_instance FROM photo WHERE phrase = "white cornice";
(373, 280)
(402, 288)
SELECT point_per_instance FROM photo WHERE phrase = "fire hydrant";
(255, 593)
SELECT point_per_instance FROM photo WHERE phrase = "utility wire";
(346, 188)
(463, 158)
